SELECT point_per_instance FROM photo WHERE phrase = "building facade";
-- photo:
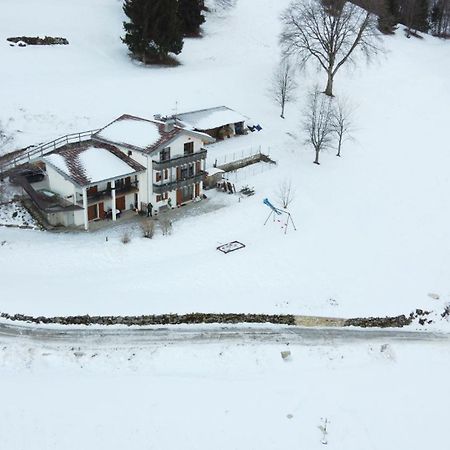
(130, 164)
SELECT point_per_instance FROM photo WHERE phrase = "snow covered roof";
(214, 171)
(144, 135)
(207, 119)
(91, 163)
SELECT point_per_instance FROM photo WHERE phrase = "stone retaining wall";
(232, 318)
(163, 319)
(379, 322)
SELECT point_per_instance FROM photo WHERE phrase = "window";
(184, 172)
(158, 176)
(191, 170)
(163, 196)
(166, 174)
(187, 193)
(188, 148)
(164, 155)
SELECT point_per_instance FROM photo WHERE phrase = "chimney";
(169, 124)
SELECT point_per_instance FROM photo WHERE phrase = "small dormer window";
(188, 148)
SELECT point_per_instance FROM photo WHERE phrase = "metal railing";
(178, 184)
(179, 160)
(35, 152)
(106, 194)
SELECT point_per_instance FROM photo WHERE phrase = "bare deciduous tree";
(283, 85)
(166, 226)
(342, 123)
(285, 193)
(318, 122)
(329, 33)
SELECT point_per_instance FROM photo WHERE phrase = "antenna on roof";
(175, 110)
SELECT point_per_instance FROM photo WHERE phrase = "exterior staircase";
(12, 160)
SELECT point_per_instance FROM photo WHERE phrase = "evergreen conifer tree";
(421, 17)
(388, 18)
(154, 29)
(190, 12)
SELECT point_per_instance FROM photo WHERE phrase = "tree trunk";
(316, 161)
(339, 146)
(329, 88)
(282, 110)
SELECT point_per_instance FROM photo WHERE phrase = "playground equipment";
(276, 212)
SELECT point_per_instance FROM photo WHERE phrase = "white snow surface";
(211, 118)
(14, 214)
(372, 226)
(135, 132)
(100, 164)
(372, 239)
(59, 162)
(384, 394)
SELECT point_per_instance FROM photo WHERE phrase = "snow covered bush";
(148, 228)
(125, 239)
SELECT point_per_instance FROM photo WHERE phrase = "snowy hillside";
(372, 227)
(372, 238)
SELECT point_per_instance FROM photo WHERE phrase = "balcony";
(106, 194)
(179, 160)
(166, 187)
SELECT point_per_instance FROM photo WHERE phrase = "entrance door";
(179, 196)
(197, 189)
(92, 212)
(120, 203)
(101, 210)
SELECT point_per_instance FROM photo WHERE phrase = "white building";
(130, 164)
(219, 122)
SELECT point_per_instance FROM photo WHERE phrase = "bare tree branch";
(285, 193)
(329, 33)
(342, 122)
(283, 85)
(317, 122)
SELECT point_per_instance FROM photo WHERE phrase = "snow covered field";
(373, 234)
(372, 239)
(385, 395)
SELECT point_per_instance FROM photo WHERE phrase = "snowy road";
(211, 334)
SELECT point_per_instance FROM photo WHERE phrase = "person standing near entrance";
(149, 209)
